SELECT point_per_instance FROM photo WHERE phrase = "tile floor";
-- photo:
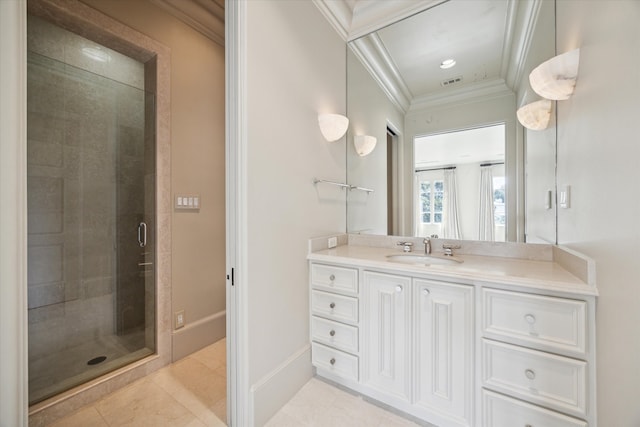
(192, 393)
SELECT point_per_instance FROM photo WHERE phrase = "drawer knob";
(529, 425)
(530, 374)
(425, 292)
(530, 318)
(398, 288)
(332, 277)
(332, 361)
(332, 332)
(332, 305)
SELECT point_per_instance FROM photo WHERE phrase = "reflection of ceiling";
(488, 39)
(478, 145)
(470, 31)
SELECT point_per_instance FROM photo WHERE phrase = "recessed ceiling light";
(447, 63)
(96, 54)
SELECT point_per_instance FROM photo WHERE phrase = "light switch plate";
(187, 202)
(332, 242)
(565, 197)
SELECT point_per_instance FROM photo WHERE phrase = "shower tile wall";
(78, 186)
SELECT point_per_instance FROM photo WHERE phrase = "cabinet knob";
(398, 288)
(530, 318)
(530, 374)
(332, 277)
(332, 305)
(332, 332)
(332, 361)
(529, 425)
(425, 292)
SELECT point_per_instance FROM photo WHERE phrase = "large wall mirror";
(450, 157)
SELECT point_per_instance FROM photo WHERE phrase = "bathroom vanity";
(504, 338)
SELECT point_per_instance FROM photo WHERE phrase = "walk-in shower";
(91, 210)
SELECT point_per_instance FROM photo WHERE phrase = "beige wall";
(598, 154)
(197, 167)
(296, 69)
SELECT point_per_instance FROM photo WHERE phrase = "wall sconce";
(364, 144)
(555, 79)
(333, 126)
(535, 116)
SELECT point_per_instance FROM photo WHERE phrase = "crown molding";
(368, 16)
(469, 93)
(204, 16)
(522, 44)
(376, 60)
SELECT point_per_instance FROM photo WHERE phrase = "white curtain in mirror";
(486, 214)
(451, 222)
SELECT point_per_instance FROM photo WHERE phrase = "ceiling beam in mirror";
(355, 18)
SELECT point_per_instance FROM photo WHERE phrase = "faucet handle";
(406, 246)
(448, 248)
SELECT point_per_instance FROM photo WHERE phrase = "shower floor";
(60, 371)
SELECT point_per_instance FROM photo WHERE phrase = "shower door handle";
(142, 234)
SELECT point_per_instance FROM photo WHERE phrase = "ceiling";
(470, 31)
(479, 145)
(403, 42)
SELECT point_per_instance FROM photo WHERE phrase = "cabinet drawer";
(340, 363)
(549, 323)
(334, 334)
(334, 278)
(501, 411)
(333, 306)
(542, 378)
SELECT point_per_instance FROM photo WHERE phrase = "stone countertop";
(476, 269)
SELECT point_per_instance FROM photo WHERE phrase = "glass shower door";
(91, 222)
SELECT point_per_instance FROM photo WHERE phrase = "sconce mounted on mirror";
(555, 79)
(535, 116)
(333, 126)
(364, 144)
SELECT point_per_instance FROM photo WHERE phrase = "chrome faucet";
(427, 245)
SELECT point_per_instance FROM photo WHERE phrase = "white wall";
(598, 154)
(369, 112)
(540, 146)
(296, 69)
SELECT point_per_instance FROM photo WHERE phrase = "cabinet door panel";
(444, 345)
(387, 333)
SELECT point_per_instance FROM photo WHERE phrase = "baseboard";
(280, 385)
(197, 335)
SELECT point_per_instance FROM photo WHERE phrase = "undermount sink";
(423, 259)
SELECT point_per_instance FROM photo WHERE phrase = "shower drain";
(97, 360)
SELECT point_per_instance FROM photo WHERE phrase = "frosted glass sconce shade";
(555, 79)
(535, 116)
(364, 144)
(333, 126)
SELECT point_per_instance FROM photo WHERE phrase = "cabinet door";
(444, 345)
(387, 311)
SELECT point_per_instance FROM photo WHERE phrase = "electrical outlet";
(332, 242)
(178, 319)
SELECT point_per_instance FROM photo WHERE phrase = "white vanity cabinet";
(387, 328)
(335, 321)
(537, 349)
(416, 336)
(443, 347)
(455, 350)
